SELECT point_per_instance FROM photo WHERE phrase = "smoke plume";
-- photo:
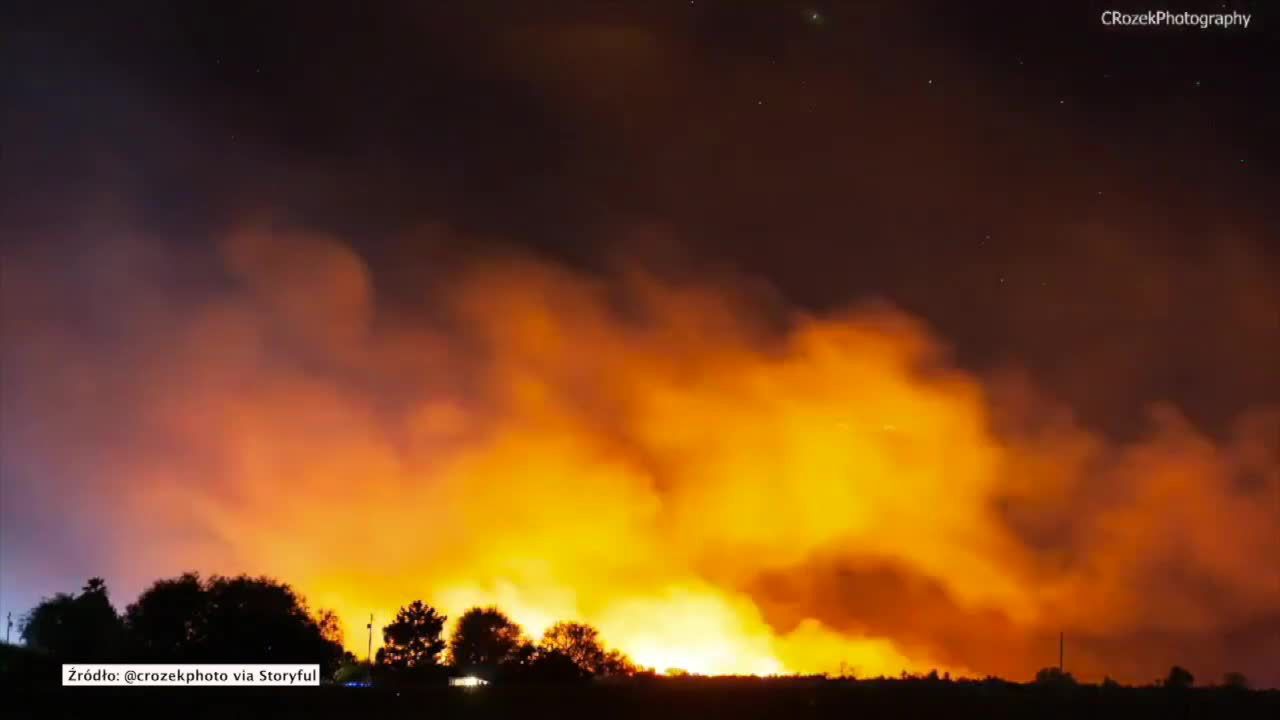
(720, 483)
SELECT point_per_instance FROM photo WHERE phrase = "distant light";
(469, 681)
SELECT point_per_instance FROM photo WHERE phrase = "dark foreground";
(661, 699)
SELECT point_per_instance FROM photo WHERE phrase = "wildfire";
(717, 491)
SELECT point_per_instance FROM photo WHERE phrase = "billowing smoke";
(718, 483)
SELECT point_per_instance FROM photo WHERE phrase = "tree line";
(487, 643)
(244, 619)
(220, 619)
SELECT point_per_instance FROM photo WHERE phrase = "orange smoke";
(717, 490)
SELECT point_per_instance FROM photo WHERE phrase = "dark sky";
(1046, 191)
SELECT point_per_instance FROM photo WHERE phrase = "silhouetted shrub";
(1054, 677)
(1235, 681)
(83, 627)
(1179, 678)
(486, 641)
(580, 643)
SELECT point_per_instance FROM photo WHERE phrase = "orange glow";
(709, 488)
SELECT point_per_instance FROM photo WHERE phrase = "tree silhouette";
(330, 626)
(616, 663)
(1235, 680)
(1054, 677)
(580, 643)
(553, 666)
(262, 620)
(75, 627)
(1179, 677)
(166, 621)
(486, 639)
(230, 619)
(414, 639)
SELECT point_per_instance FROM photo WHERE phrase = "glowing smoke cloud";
(716, 491)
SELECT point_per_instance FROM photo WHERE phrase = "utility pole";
(1061, 668)
(369, 652)
(8, 626)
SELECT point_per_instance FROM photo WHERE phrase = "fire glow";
(716, 492)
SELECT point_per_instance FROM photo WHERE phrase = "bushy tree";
(552, 666)
(250, 619)
(1054, 677)
(581, 644)
(82, 627)
(230, 619)
(414, 639)
(1179, 677)
(485, 639)
(617, 664)
(1235, 680)
(330, 626)
(166, 622)
(578, 642)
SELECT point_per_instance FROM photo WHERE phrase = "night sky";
(994, 169)
(1085, 210)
